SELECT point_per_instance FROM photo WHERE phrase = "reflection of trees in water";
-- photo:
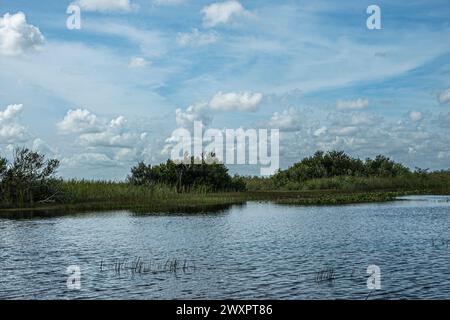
(138, 211)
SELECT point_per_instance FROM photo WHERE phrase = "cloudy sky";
(108, 95)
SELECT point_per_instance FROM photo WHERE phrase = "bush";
(202, 175)
(337, 164)
(28, 179)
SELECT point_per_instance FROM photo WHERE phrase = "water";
(256, 251)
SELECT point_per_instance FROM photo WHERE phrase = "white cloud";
(102, 143)
(151, 42)
(92, 159)
(99, 132)
(12, 133)
(11, 112)
(118, 122)
(114, 134)
(363, 119)
(320, 131)
(196, 112)
(344, 131)
(288, 120)
(109, 138)
(222, 13)
(241, 101)
(79, 121)
(106, 5)
(404, 141)
(195, 38)
(138, 62)
(65, 69)
(17, 36)
(444, 96)
(415, 116)
(231, 101)
(352, 104)
(10, 130)
(41, 146)
(106, 139)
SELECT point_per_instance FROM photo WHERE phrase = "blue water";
(255, 251)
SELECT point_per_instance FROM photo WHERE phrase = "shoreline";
(215, 202)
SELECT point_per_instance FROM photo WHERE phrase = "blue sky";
(106, 96)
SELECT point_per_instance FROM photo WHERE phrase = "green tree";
(28, 179)
(195, 174)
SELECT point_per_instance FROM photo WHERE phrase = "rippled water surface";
(256, 251)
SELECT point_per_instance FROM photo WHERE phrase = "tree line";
(338, 163)
(29, 178)
(204, 174)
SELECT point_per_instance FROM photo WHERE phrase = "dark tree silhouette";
(205, 173)
(28, 179)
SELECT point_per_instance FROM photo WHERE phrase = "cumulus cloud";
(107, 140)
(320, 131)
(79, 121)
(444, 96)
(364, 119)
(110, 138)
(415, 116)
(106, 5)
(288, 120)
(196, 112)
(113, 135)
(43, 147)
(223, 13)
(231, 101)
(241, 101)
(99, 132)
(352, 104)
(400, 138)
(90, 159)
(10, 130)
(195, 38)
(95, 132)
(138, 62)
(11, 112)
(17, 36)
(344, 124)
(344, 131)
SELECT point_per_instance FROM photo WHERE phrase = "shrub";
(205, 174)
(28, 179)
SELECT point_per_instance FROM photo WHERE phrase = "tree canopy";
(338, 163)
(204, 173)
(28, 178)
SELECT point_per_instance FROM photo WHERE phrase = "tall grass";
(438, 182)
(92, 191)
(82, 195)
(85, 195)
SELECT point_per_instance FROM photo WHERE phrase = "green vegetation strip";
(28, 184)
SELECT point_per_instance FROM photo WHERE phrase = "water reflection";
(253, 251)
(136, 211)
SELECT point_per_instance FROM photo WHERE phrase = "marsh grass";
(143, 201)
(330, 178)
(436, 182)
(87, 196)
